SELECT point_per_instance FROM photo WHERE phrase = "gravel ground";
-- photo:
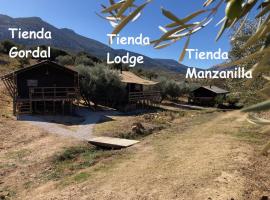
(84, 131)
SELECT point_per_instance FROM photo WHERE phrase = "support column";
(14, 106)
(53, 107)
(63, 107)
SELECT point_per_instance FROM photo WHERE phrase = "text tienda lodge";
(130, 60)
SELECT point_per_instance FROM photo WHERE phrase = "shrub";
(101, 86)
(6, 46)
(168, 89)
(1, 48)
(84, 60)
(65, 60)
(23, 62)
(233, 99)
(218, 100)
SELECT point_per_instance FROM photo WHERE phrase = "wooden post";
(14, 106)
(53, 106)
(70, 107)
(63, 107)
(35, 105)
(44, 107)
(31, 108)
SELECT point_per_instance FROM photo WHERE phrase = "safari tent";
(45, 87)
(207, 95)
(139, 89)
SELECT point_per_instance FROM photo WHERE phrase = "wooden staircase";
(24, 107)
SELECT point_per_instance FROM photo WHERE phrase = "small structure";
(45, 87)
(207, 95)
(110, 142)
(139, 89)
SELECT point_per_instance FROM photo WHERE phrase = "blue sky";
(80, 16)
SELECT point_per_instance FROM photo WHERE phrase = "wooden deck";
(144, 95)
(110, 142)
(46, 93)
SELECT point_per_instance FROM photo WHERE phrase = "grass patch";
(81, 177)
(73, 159)
(250, 133)
(19, 155)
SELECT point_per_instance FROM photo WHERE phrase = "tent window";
(32, 83)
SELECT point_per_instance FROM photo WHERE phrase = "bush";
(168, 89)
(233, 99)
(2, 50)
(65, 60)
(101, 86)
(23, 62)
(6, 46)
(84, 60)
(54, 52)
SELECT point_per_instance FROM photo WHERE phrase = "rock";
(4, 195)
(137, 128)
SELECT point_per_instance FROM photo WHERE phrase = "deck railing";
(145, 95)
(43, 93)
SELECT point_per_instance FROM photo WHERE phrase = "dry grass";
(197, 155)
(121, 126)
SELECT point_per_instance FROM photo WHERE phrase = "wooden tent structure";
(207, 95)
(139, 89)
(45, 87)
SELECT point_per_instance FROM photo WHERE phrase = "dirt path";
(195, 159)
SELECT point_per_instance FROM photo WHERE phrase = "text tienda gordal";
(132, 61)
(18, 33)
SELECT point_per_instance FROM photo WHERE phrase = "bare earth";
(197, 158)
(207, 156)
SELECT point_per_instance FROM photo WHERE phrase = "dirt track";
(196, 159)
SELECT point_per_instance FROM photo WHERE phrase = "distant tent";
(207, 95)
(139, 89)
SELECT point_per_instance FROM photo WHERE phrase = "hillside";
(69, 40)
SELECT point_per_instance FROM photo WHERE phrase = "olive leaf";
(264, 11)
(208, 2)
(171, 16)
(124, 7)
(256, 120)
(182, 56)
(128, 18)
(171, 32)
(223, 27)
(186, 19)
(258, 107)
(112, 8)
(247, 58)
(259, 34)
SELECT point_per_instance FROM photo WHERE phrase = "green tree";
(84, 60)
(7, 45)
(65, 60)
(23, 62)
(101, 85)
(169, 89)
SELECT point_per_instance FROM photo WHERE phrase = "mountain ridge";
(68, 39)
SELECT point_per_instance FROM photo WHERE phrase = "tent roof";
(37, 65)
(129, 77)
(214, 89)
